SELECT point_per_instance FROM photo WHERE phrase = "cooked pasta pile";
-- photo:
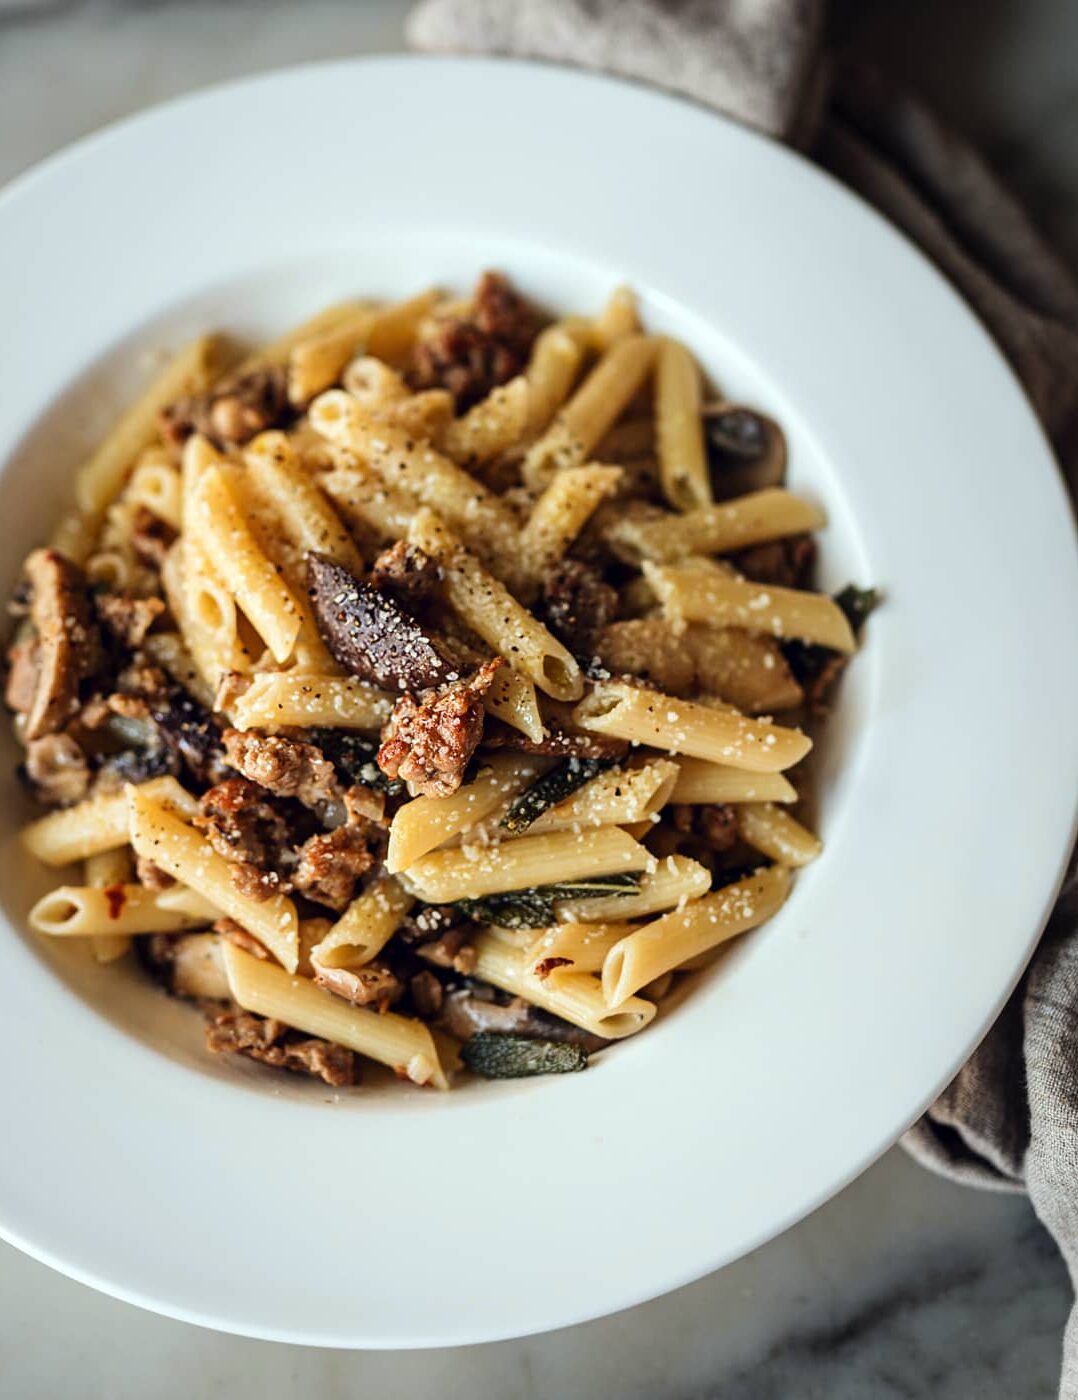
(408, 690)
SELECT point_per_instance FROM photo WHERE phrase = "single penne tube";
(567, 949)
(679, 432)
(492, 426)
(105, 869)
(774, 833)
(250, 576)
(560, 513)
(365, 927)
(317, 363)
(675, 879)
(368, 506)
(100, 479)
(304, 514)
(277, 699)
(393, 332)
(526, 861)
(98, 824)
(206, 611)
(491, 611)
(415, 469)
(512, 699)
(701, 782)
(373, 383)
(424, 823)
(756, 518)
(277, 352)
(551, 373)
(669, 942)
(117, 910)
(683, 727)
(614, 798)
(183, 853)
(746, 669)
(155, 484)
(620, 317)
(591, 411)
(198, 455)
(403, 1044)
(578, 1000)
(691, 594)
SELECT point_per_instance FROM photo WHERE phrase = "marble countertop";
(903, 1285)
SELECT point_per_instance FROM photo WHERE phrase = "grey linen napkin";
(1009, 1120)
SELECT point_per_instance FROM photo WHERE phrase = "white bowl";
(228, 1196)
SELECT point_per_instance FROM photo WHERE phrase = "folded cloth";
(1010, 1118)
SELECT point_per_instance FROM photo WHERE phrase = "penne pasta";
(679, 432)
(551, 373)
(560, 513)
(105, 869)
(403, 1044)
(116, 911)
(424, 823)
(364, 928)
(700, 781)
(568, 949)
(696, 595)
(491, 427)
(614, 798)
(306, 517)
(681, 726)
(668, 943)
(774, 833)
(277, 352)
(492, 612)
(98, 824)
(181, 852)
(591, 411)
(246, 571)
(524, 862)
(674, 880)
(317, 363)
(278, 699)
(715, 529)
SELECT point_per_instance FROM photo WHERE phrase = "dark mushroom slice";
(746, 450)
(66, 646)
(370, 634)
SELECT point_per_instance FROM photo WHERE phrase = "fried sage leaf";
(370, 634)
(498, 1056)
(857, 603)
(553, 787)
(353, 756)
(534, 907)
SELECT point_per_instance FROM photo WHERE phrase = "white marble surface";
(903, 1285)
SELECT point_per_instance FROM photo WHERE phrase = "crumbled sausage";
(151, 537)
(576, 605)
(714, 823)
(471, 355)
(408, 572)
(127, 618)
(232, 412)
(562, 743)
(429, 743)
(331, 862)
(286, 767)
(240, 823)
(273, 1043)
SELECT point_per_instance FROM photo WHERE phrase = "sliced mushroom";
(746, 449)
(370, 634)
(66, 648)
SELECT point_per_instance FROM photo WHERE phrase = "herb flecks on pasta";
(438, 673)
